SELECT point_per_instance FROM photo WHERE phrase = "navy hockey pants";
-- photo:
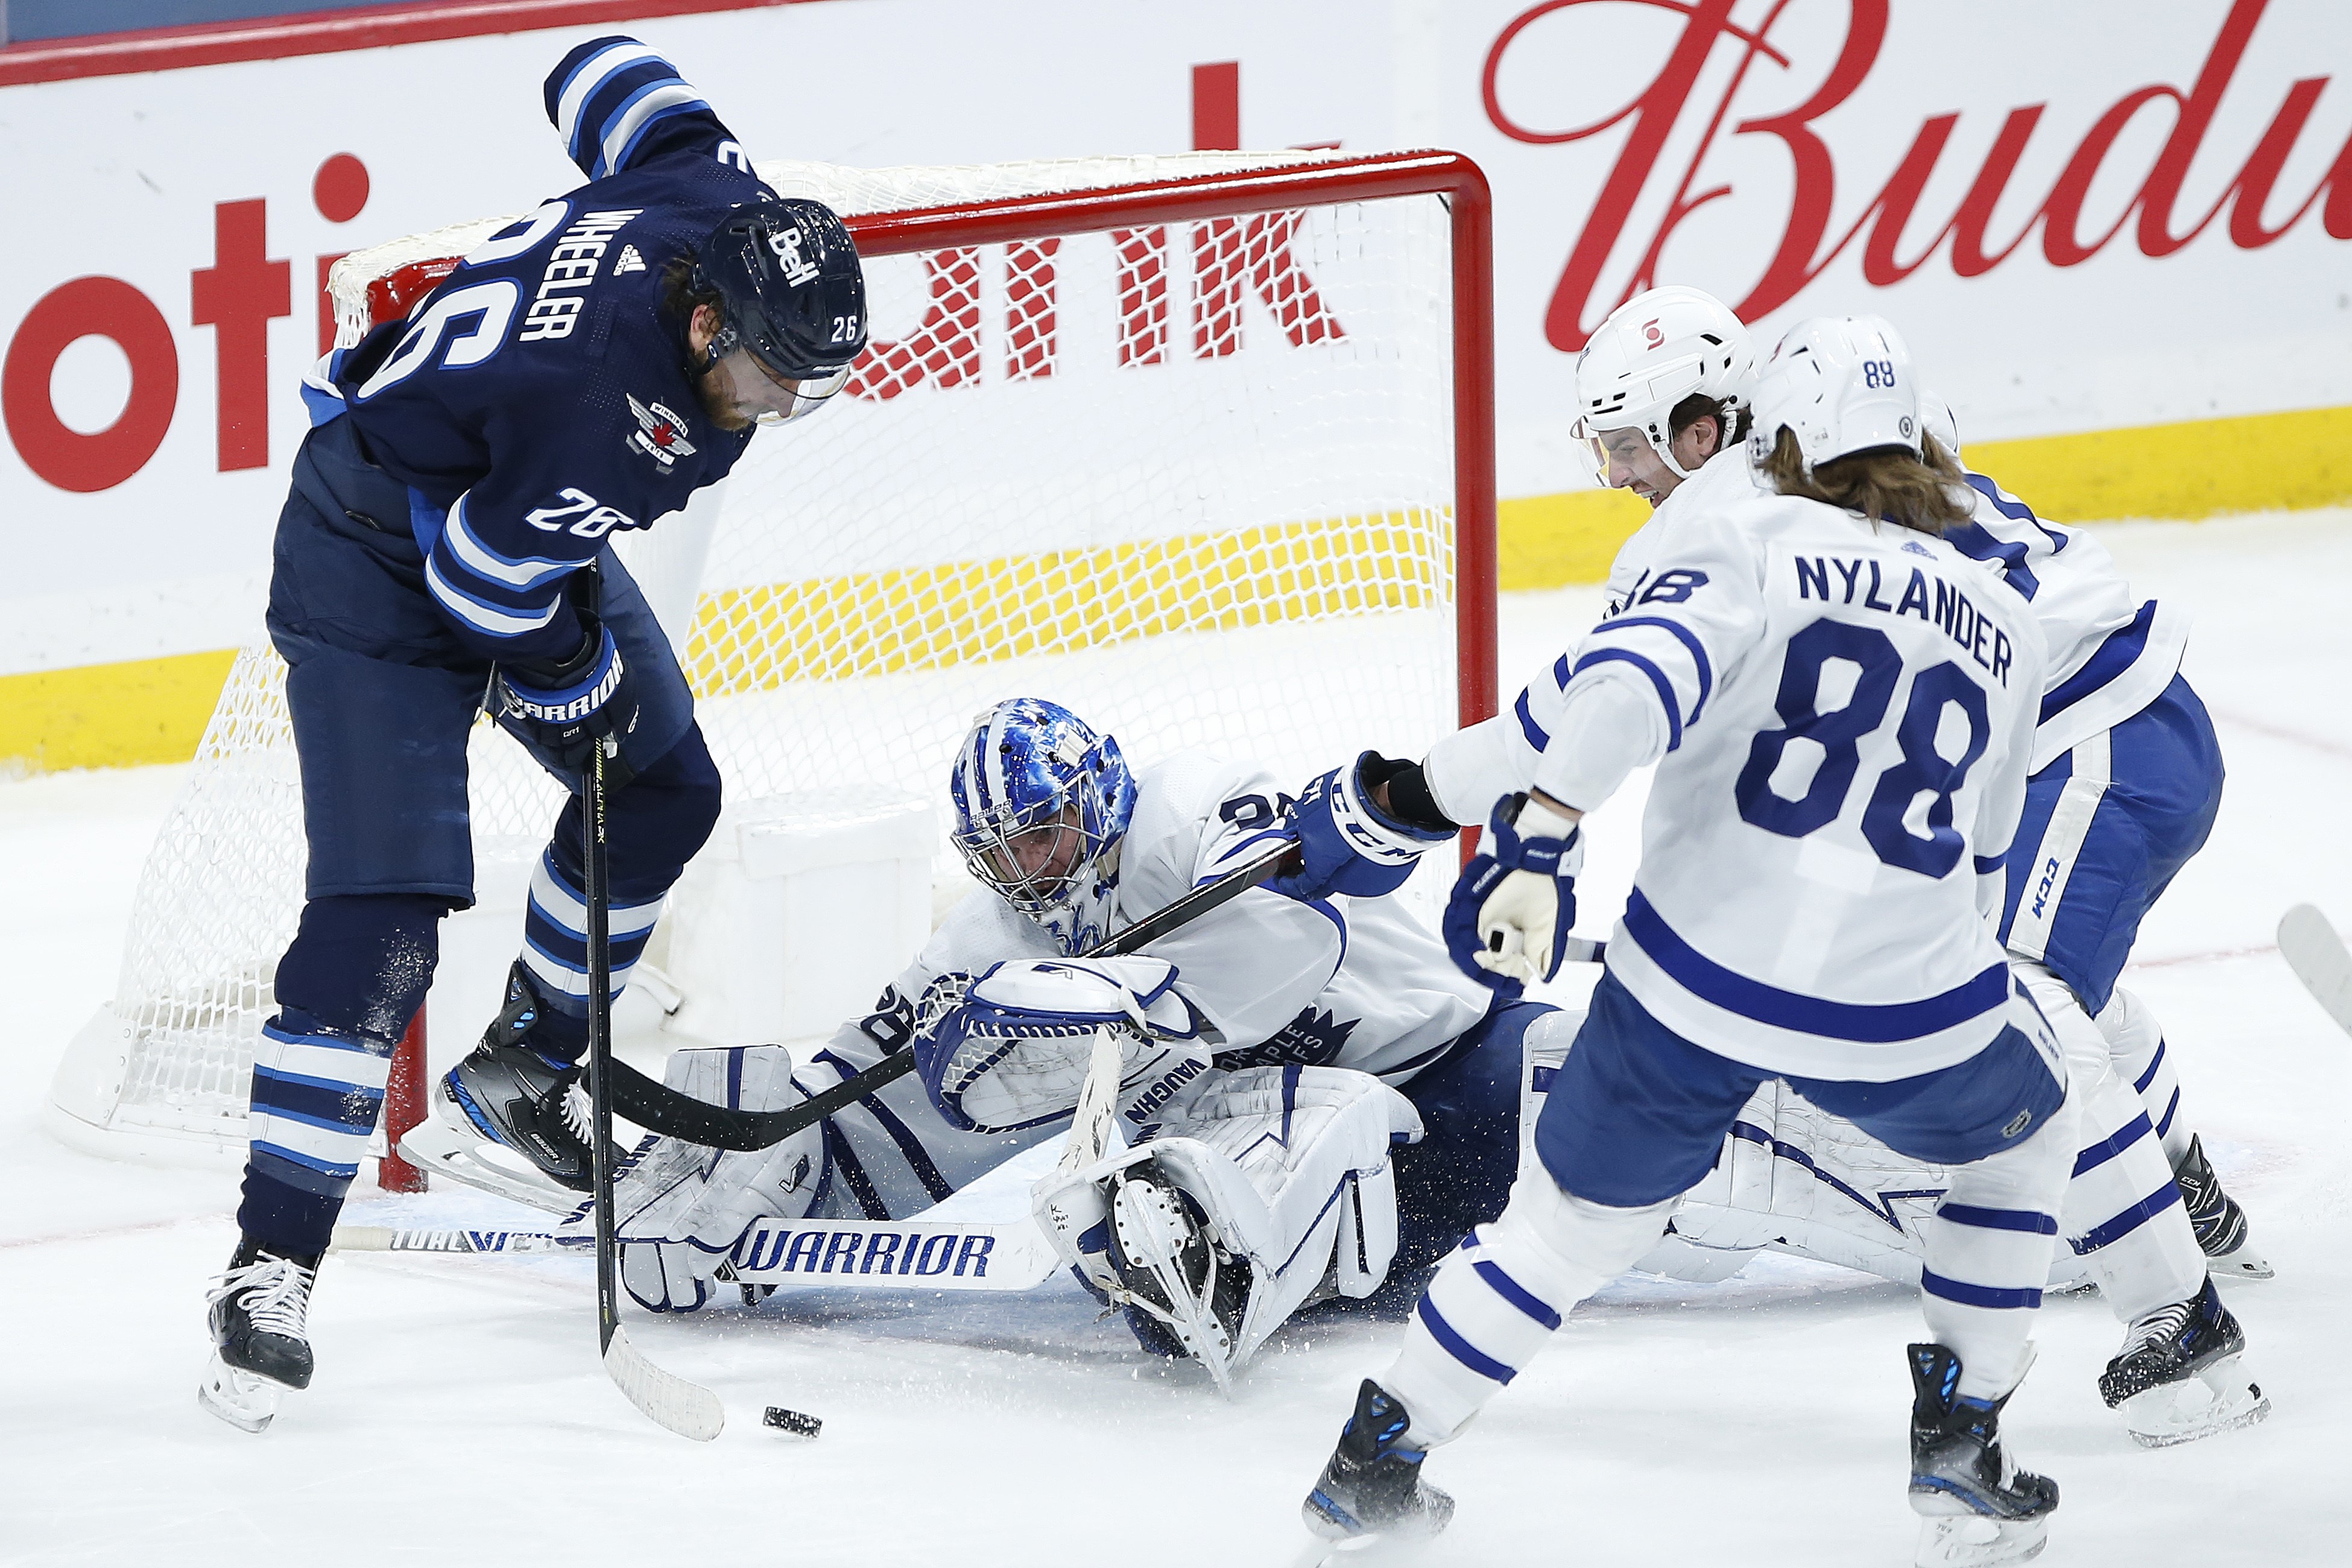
(2105, 828)
(382, 696)
(1638, 1114)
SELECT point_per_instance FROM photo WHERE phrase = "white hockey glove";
(1508, 922)
(680, 1208)
(1010, 1049)
(1288, 1169)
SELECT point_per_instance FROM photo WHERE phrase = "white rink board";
(173, 559)
(460, 1413)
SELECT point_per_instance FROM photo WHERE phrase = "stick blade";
(688, 1409)
(2316, 954)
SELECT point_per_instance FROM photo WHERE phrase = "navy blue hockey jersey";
(538, 399)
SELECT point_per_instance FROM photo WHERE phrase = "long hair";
(1927, 494)
(680, 296)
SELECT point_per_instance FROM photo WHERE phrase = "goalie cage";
(1199, 445)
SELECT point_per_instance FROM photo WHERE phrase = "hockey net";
(1199, 445)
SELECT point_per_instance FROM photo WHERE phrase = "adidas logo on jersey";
(630, 261)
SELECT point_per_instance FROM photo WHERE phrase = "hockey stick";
(2316, 954)
(888, 1254)
(685, 1409)
(658, 1108)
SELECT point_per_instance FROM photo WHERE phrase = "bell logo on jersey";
(798, 269)
(661, 435)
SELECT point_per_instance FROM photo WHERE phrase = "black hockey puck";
(792, 1422)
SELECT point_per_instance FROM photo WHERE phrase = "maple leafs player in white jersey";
(1662, 388)
(1842, 710)
(1311, 1091)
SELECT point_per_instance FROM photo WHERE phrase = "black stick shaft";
(600, 1082)
(661, 1109)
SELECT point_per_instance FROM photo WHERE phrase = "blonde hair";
(1927, 494)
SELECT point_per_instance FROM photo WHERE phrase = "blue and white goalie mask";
(1041, 802)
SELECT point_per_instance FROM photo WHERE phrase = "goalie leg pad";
(1283, 1169)
(680, 1208)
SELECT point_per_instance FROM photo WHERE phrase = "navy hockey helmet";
(795, 292)
(1041, 802)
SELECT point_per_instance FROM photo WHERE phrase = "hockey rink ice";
(459, 1413)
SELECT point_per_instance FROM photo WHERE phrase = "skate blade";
(243, 1400)
(1973, 1541)
(1152, 1233)
(2221, 1398)
(465, 1156)
(2242, 1262)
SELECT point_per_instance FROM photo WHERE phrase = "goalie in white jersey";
(1268, 1157)
(1841, 709)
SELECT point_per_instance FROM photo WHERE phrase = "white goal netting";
(1193, 479)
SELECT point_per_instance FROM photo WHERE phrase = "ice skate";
(257, 1309)
(507, 1118)
(2219, 1222)
(1372, 1489)
(1174, 1271)
(2181, 1374)
(1978, 1509)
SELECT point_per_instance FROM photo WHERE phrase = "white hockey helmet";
(1936, 418)
(1654, 350)
(1842, 385)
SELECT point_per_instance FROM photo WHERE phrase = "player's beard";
(713, 388)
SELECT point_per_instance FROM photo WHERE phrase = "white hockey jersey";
(1842, 716)
(2108, 657)
(1352, 982)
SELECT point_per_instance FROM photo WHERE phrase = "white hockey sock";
(1987, 1255)
(1496, 1301)
(2136, 1043)
(2122, 1211)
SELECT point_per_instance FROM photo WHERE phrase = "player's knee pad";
(663, 818)
(680, 1207)
(1570, 1246)
(361, 964)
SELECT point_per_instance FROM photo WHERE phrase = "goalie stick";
(658, 1108)
(2318, 956)
(685, 1409)
(886, 1253)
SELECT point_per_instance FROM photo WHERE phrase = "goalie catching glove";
(1010, 1049)
(680, 1208)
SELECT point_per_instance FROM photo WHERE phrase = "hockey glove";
(1010, 1050)
(1348, 844)
(564, 711)
(1507, 920)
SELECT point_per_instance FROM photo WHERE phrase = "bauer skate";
(1174, 1272)
(2181, 1374)
(1978, 1509)
(507, 1118)
(1372, 1486)
(2219, 1222)
(259, 1310)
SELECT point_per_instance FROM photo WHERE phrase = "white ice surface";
(460, 1414)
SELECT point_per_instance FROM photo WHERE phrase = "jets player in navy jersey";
(1841, 709)
(445, 547)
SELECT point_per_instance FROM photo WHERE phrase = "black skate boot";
(508, 1092)
(1181, 1284)
(2215, 1217)
(2179, 1376)
(1977, 1507)
(1372, 1486)
(259, 1310)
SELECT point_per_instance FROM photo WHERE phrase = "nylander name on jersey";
(538, 401)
